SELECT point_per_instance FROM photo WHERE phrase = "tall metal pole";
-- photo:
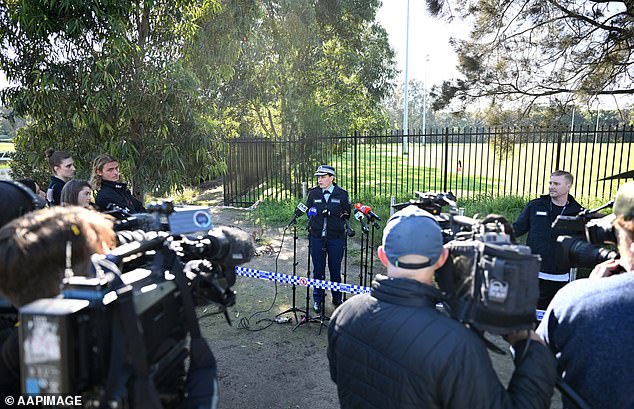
(596, 130)
(425, 100)
(405, 111)
(572, 123)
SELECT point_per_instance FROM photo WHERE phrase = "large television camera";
(490, 283)
(119, 337)
(581, 238)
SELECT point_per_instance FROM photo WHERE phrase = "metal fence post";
(558, 157)
(355, 163)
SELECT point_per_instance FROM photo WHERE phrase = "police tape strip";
(302, 281)
(323, 284)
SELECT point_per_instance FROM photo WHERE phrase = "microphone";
(359, 216)
(312, 212)
(300, 210)
(367, 210)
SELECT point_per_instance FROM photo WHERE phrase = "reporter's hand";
(521, 335)
(605, 269)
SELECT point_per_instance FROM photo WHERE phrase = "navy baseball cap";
(324, 170)
(412, 231)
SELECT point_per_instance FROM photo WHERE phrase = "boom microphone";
(367, 210)
(300, 210)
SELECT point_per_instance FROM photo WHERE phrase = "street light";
(425, 99)
(405, 147)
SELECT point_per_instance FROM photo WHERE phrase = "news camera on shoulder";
(581, 237)
(117, 333)
(489, 282)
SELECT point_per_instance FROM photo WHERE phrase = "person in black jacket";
(327, 230)
(393, 349)
(62, 166)
(536, 220)
(105, 180)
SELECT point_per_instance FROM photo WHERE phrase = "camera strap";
(201, 385)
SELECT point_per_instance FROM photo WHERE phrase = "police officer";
(327, 230)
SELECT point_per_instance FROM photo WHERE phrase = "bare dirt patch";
(277, 367)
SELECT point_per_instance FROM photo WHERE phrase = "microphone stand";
(322, 317)
(376, 226)
(345, 258)
(306, 318)
(294, 308)
(366, 261)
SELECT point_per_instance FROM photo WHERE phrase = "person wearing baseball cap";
(589, 324)
(330, 209)
(393, 349)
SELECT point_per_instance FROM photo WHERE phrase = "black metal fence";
(471, 162)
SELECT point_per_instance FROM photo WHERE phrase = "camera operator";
(327, 230)
(393, 349)
(33, 260)
(536, 219)
(110, 191)
(589, 324)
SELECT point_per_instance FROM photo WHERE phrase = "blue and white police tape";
(323, 284)
(302, 281)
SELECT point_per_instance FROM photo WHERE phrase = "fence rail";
(470, 162)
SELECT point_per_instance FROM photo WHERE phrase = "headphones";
(35, 200)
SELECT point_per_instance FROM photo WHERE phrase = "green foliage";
(108, 77)
(310, 68)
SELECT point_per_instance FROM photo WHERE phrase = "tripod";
(294, 309)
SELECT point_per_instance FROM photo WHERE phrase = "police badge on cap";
(324, 170)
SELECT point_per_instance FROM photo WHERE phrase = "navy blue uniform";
(536, 220)
(327, 235)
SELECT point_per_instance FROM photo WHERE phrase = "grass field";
(6, 147)
(382, 170)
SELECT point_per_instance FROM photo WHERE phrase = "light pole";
(425, 100)
(405, 147)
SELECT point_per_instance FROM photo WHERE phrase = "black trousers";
(547, 291)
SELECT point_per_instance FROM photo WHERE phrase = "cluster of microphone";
(362, 213)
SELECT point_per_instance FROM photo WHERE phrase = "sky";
(427, 37)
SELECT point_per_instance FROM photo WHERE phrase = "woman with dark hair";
(63, 167)
(105, 180)
(76, 192)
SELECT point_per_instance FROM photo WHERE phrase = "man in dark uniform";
(327, 230)
(536, 219)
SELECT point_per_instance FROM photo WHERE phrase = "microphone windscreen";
(241, 246)
(312, 211)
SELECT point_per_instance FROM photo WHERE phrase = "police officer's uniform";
(327, 232)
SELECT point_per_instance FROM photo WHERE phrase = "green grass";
(384, 171)
(7, 147)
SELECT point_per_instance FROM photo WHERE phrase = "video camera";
(118, 338)
(581, 238)
(490, 283)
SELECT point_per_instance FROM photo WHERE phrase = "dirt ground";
(280, 366)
